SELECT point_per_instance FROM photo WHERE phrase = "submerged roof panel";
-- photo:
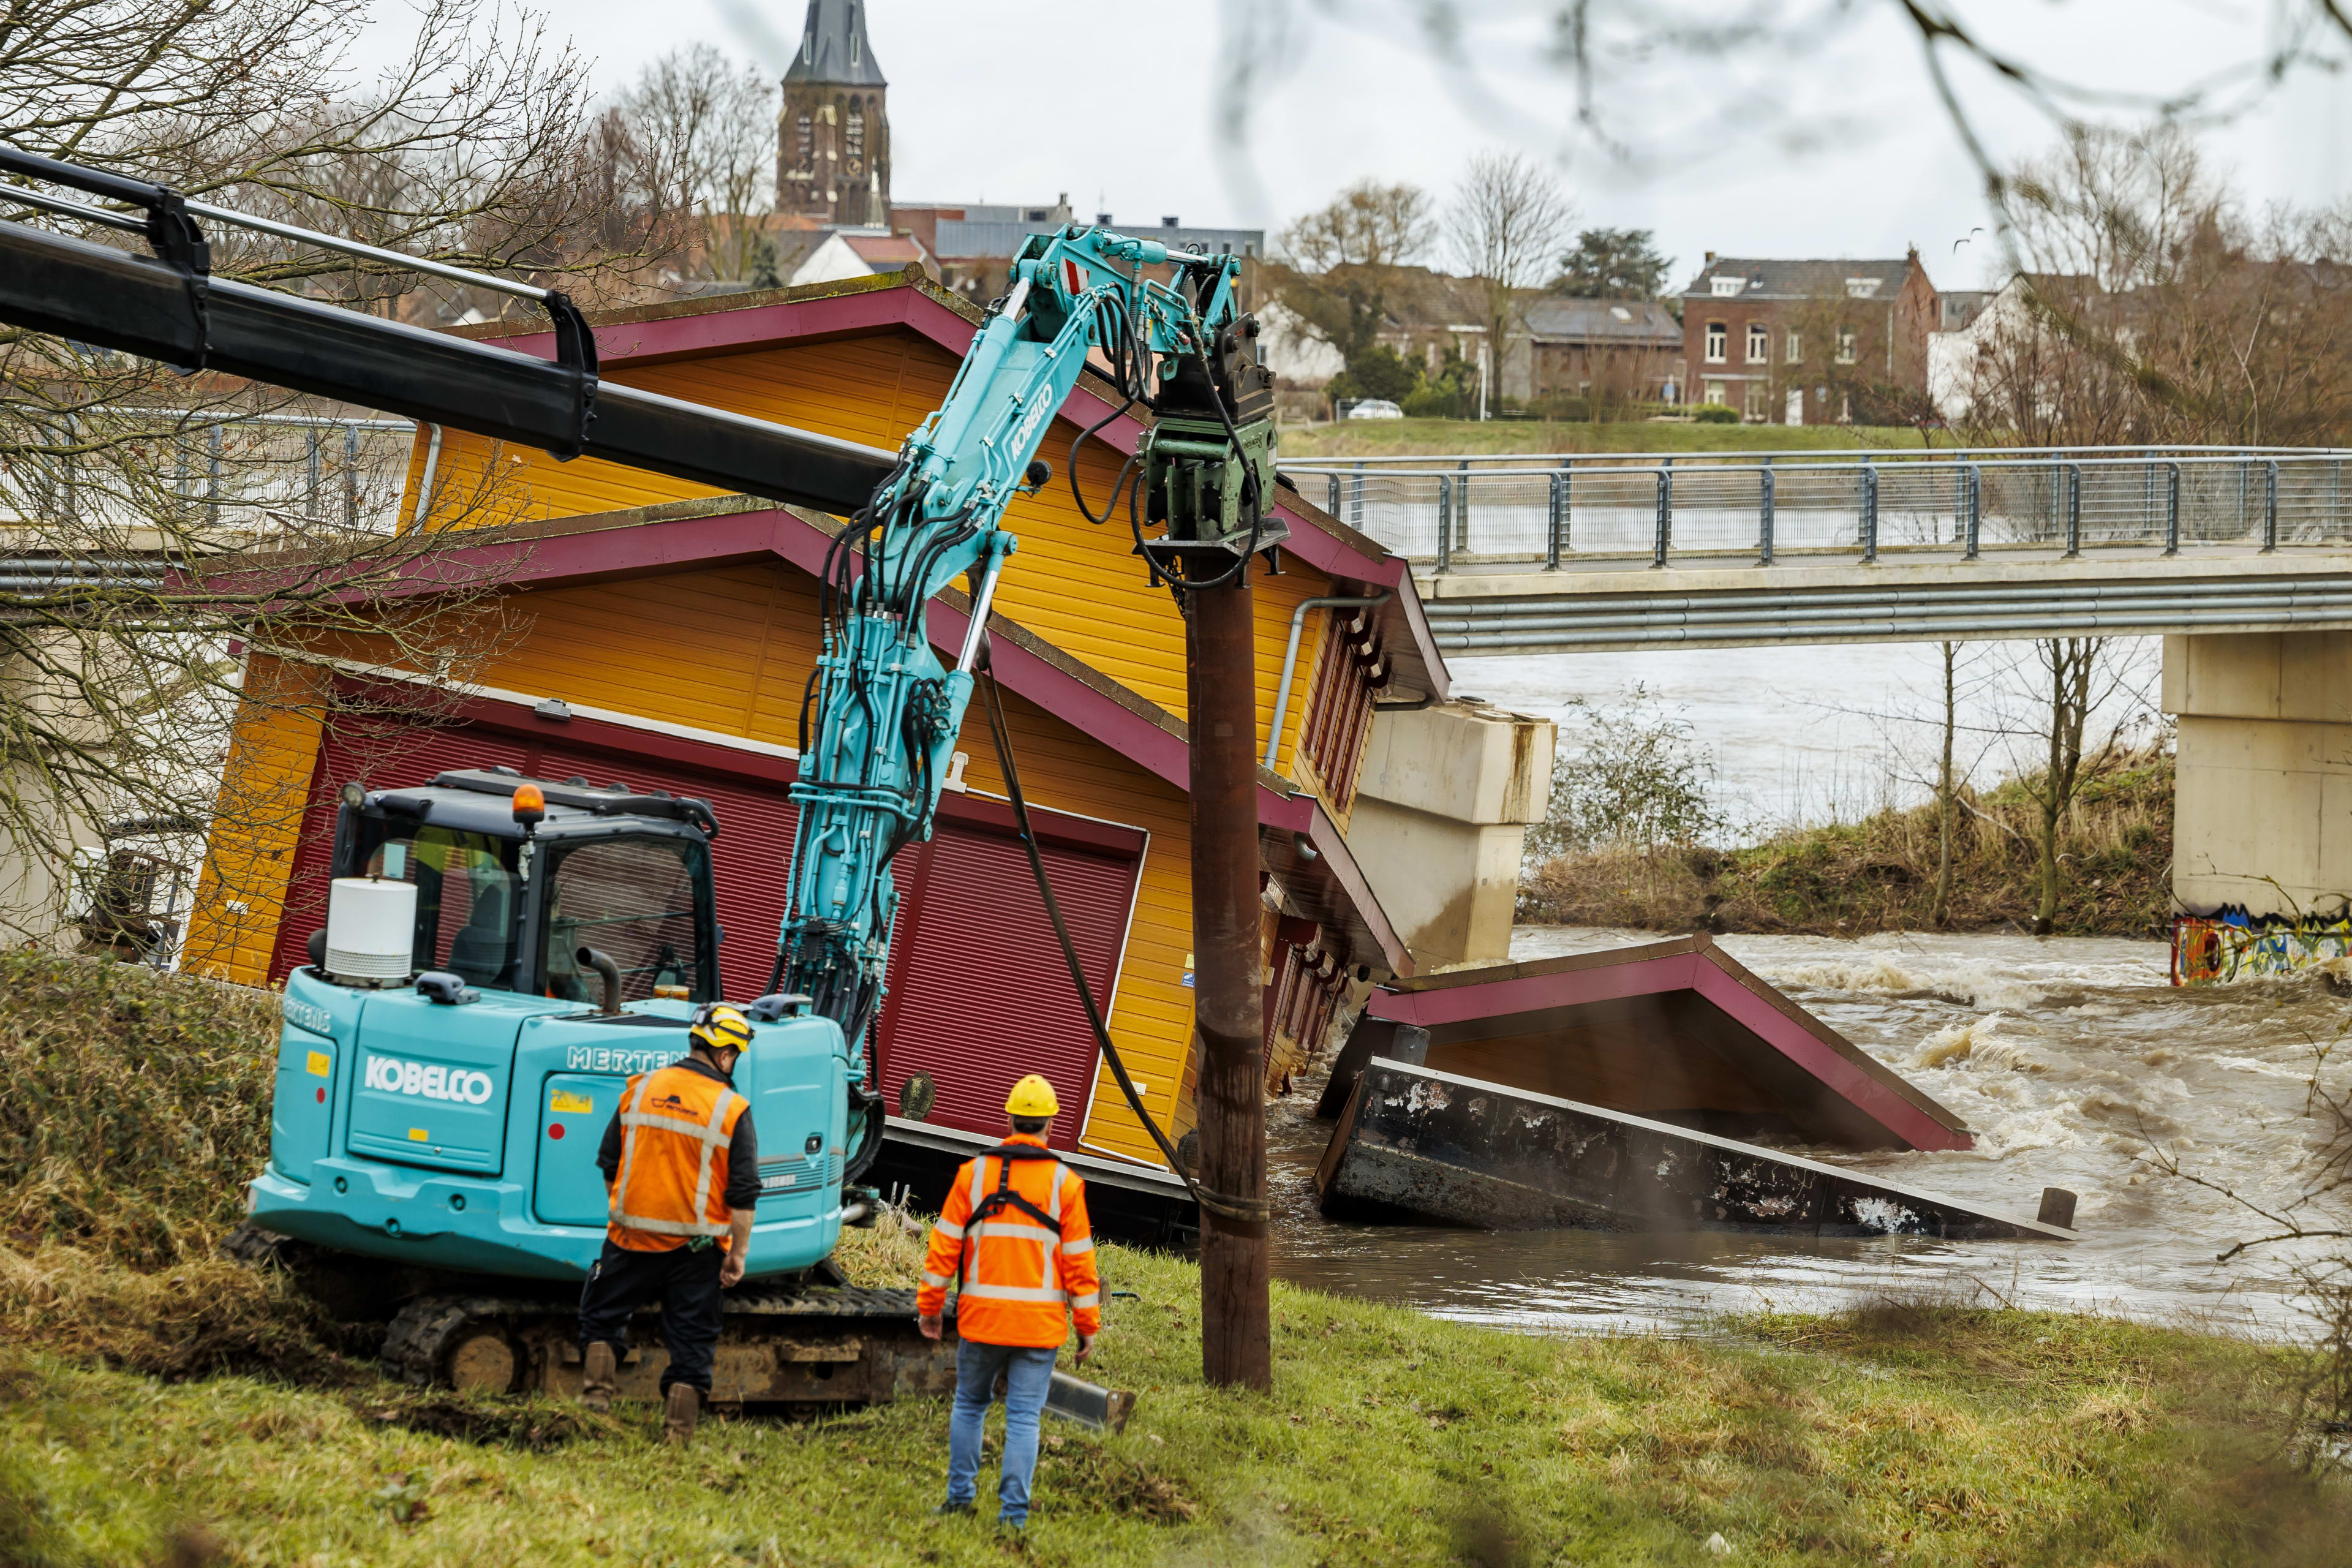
(1678, 1030)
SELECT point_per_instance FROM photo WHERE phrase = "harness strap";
(1003, 1197)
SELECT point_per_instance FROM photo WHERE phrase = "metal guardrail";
(211, 471)
(1472, 513)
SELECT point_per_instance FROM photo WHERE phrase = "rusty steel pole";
(1221, 671)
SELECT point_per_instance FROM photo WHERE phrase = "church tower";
(833, 139)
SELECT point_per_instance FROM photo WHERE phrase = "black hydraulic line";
(138, 305)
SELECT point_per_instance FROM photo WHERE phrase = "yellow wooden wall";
(273, 750)
(728, 650)
(1078, 585)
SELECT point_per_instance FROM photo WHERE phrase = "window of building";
(1339, 706)
(1760, 344)
(1715, 393)
(857, 39)
(854, 138)
(1758, 391)
(1847, 349)
(1723, 286)
(1796, 346)
(1719, 338)
(1861, 288)
(805, 133)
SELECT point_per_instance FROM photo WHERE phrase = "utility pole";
(1221, 672)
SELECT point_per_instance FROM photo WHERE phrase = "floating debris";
(1414, 1143)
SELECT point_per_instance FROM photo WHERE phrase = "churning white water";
(2072, 1060)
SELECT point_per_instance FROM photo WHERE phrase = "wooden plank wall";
(273, 750)
(1078, 585)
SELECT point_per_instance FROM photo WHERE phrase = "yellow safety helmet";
(1032, 1099)
(720, 1027)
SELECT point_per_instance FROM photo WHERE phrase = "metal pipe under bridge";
(1578, 552)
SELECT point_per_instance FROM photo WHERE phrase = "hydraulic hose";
(1241, 1211)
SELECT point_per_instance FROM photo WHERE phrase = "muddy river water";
(2070, 1059)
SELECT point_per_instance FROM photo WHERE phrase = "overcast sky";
(1834, 147)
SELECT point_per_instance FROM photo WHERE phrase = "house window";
(853, 138)
(1846, 347)
(1760, 344)
(1861, 288)
(1796, 348)
(1719, 338)
(1757, 393)
(1715, 393)
(1724, 287)
(1340, 706)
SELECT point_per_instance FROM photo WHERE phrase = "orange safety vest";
(671, 1183)
(1026, 1263)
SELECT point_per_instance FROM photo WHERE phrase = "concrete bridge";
(2240, 558)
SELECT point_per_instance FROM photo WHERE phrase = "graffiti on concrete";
(2230, 945)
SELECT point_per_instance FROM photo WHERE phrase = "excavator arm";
(883, 711)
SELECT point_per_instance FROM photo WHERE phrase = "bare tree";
(2148, 308)
(174, 536)
(1505, 226)
(705, 127)
(1628, 63)
(1339, 263)
(2075, 676)
(1947, 802)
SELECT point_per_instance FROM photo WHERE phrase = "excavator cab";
(506, 905)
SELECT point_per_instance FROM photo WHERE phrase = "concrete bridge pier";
(2263, 798)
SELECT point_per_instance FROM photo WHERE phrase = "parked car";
(1374, 409)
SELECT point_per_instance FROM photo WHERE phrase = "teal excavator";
(501, 952)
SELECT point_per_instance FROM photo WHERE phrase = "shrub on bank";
(1879, 874)
(142, 1105)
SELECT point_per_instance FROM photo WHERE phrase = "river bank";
(152, 1393)
(1411, 438)
(1879, 874)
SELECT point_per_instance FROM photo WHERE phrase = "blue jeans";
(1028, 1378)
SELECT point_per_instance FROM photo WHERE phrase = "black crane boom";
(140, 305)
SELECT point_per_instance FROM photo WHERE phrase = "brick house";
(1613, 349)
(1801, 343)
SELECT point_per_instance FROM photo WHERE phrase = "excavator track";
(808, 1345)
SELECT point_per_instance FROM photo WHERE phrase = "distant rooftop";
(1728, 277)
(1567, 318)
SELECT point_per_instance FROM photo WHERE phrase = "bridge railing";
(1450, 514)
(103, 473)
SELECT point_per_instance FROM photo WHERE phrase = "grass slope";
(1403, 437)
(159, 1404)
(1919, 1438)
(1879, 874)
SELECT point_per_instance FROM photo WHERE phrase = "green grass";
(1402, 438)
(159, 1403)
(1921, 1436)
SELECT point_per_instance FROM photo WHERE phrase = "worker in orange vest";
(1014, 1232)
(681, 1166)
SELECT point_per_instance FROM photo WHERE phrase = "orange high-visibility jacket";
(671, 1183)
(1018, 1278)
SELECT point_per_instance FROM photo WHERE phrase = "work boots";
(600, 1377)
(684, 1409)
